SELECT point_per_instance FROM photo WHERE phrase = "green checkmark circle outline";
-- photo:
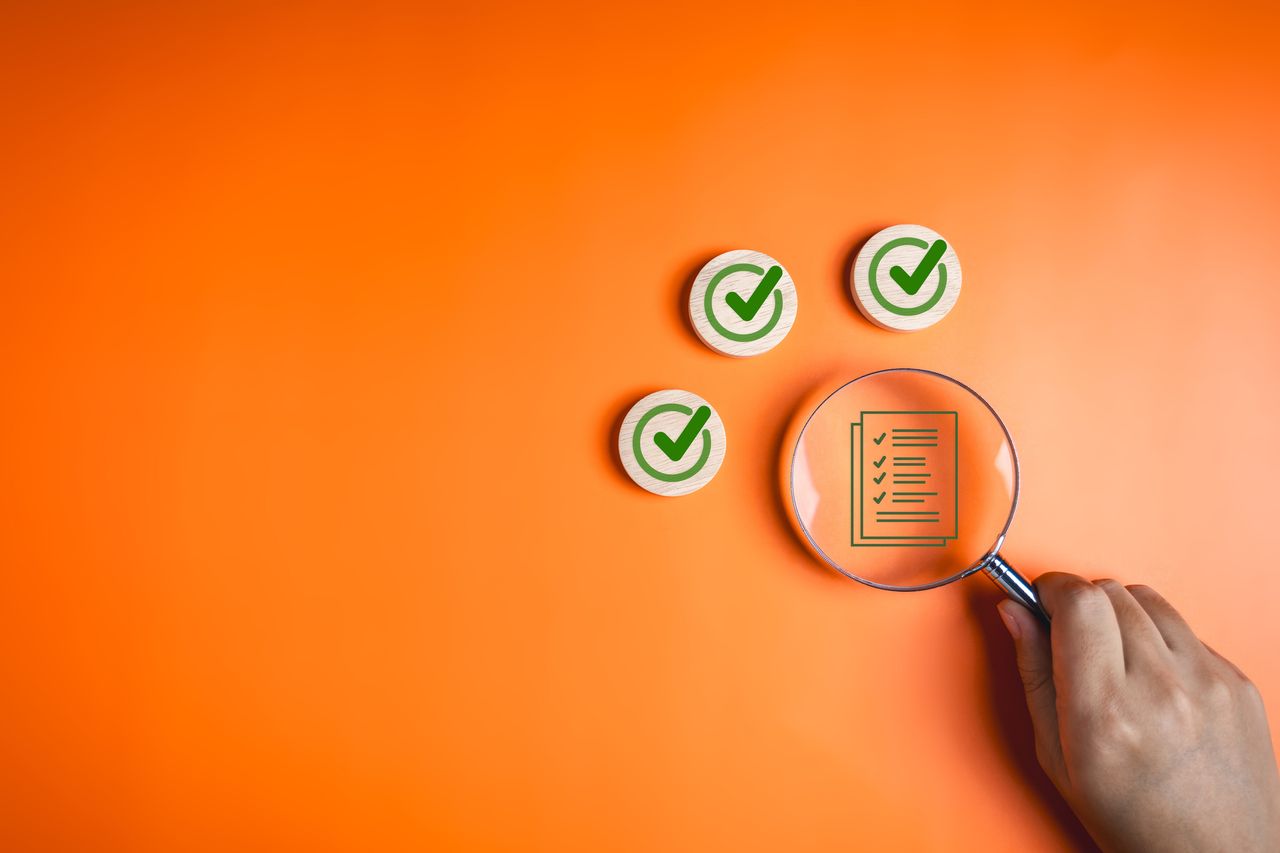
(654, 472)
(874, 272)
(708, 306)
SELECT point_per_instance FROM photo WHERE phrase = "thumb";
(1035, 665)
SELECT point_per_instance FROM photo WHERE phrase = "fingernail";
(1010, 621)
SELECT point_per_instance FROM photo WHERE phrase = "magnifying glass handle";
(1018, 587)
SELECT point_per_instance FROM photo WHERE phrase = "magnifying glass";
(905, 480)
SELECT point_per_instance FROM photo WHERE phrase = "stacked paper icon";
(904, 479)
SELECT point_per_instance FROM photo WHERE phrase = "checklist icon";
(903, 479)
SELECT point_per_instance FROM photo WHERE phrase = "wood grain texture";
(896, 309)
(649, 465)
(720, 326)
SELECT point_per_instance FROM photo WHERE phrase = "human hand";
(1156, 741)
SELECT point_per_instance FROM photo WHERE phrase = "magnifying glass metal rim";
(992, 554)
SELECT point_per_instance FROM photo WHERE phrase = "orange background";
(319, 320)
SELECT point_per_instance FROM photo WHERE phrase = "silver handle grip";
(1015, 585)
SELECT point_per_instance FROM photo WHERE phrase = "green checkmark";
(637, 446)
(912, 282)
(751, 307)
(880, 439)
(877, 500)
(748, 308)
(880, 461)
(676, 449)
(880, 479)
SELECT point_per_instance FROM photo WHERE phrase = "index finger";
(1088, 654)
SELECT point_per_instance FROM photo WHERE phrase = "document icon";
(903, 479)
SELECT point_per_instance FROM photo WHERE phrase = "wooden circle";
(743, 303)
(906, 278)
(672, 442)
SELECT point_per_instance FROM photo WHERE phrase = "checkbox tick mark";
(676, 449)
(879, 461)
(749, 307)
(882, 494)
(880, 479)
(881, 438)
(913, 281)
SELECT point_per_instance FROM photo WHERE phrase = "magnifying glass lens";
(904, 479)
